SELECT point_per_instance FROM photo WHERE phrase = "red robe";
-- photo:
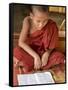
(40, 41)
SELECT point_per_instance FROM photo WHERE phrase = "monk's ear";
(31, 15)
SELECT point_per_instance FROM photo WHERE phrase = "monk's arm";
(28, 49)
(23, 37)
(49, 51)
(45, 57)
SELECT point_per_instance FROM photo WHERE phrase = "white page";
(36, 78)
(26, 79)
(44, 78)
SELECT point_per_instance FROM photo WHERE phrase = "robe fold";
(40, 41)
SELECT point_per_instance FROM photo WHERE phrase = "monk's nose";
(40, 25)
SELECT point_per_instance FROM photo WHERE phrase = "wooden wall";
(57, 9)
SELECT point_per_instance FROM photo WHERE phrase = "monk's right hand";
(37, 62)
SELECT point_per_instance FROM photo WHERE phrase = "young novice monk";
(37, 42)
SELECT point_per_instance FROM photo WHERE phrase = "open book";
(36, 78)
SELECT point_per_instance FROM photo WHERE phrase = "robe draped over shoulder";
(46, 38)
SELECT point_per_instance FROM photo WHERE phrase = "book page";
(26, 79)
(44, 78)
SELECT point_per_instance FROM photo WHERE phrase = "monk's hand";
(45, 58)
(15, 62)
(37, 62)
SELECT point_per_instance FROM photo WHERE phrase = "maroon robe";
(40, 41)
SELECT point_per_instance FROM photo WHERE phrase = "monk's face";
(39, 19)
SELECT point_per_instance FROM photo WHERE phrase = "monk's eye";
(38, 21)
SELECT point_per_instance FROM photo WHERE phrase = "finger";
(36, 67)
(43, 64)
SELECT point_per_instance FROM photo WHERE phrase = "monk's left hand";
(45, 58)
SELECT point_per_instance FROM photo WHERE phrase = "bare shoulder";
(25, 29)
(26, 20)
